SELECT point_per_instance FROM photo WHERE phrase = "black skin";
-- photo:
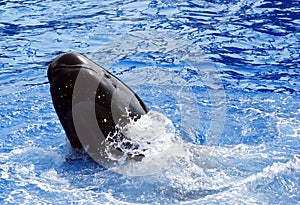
(62, 74)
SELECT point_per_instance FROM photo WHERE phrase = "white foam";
(156, 137)
(154, 133)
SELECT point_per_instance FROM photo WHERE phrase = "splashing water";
(154, 132)
(253, 46)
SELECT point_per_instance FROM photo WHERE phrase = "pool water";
(226, 73)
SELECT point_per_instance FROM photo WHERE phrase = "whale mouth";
(124, 145)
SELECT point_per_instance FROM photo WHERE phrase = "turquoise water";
(226, 73)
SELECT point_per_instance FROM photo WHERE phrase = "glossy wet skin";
(75, 83)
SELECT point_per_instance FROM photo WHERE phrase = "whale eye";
(106, 75)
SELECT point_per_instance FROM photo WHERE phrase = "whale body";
(93, 106)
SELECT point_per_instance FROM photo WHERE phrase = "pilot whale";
(93, 106)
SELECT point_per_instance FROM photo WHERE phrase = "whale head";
(91, 103)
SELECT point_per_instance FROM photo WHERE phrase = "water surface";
(226, 73)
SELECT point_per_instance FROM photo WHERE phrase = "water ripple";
(253, 44)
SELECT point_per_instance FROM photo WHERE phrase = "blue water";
(227, 73)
